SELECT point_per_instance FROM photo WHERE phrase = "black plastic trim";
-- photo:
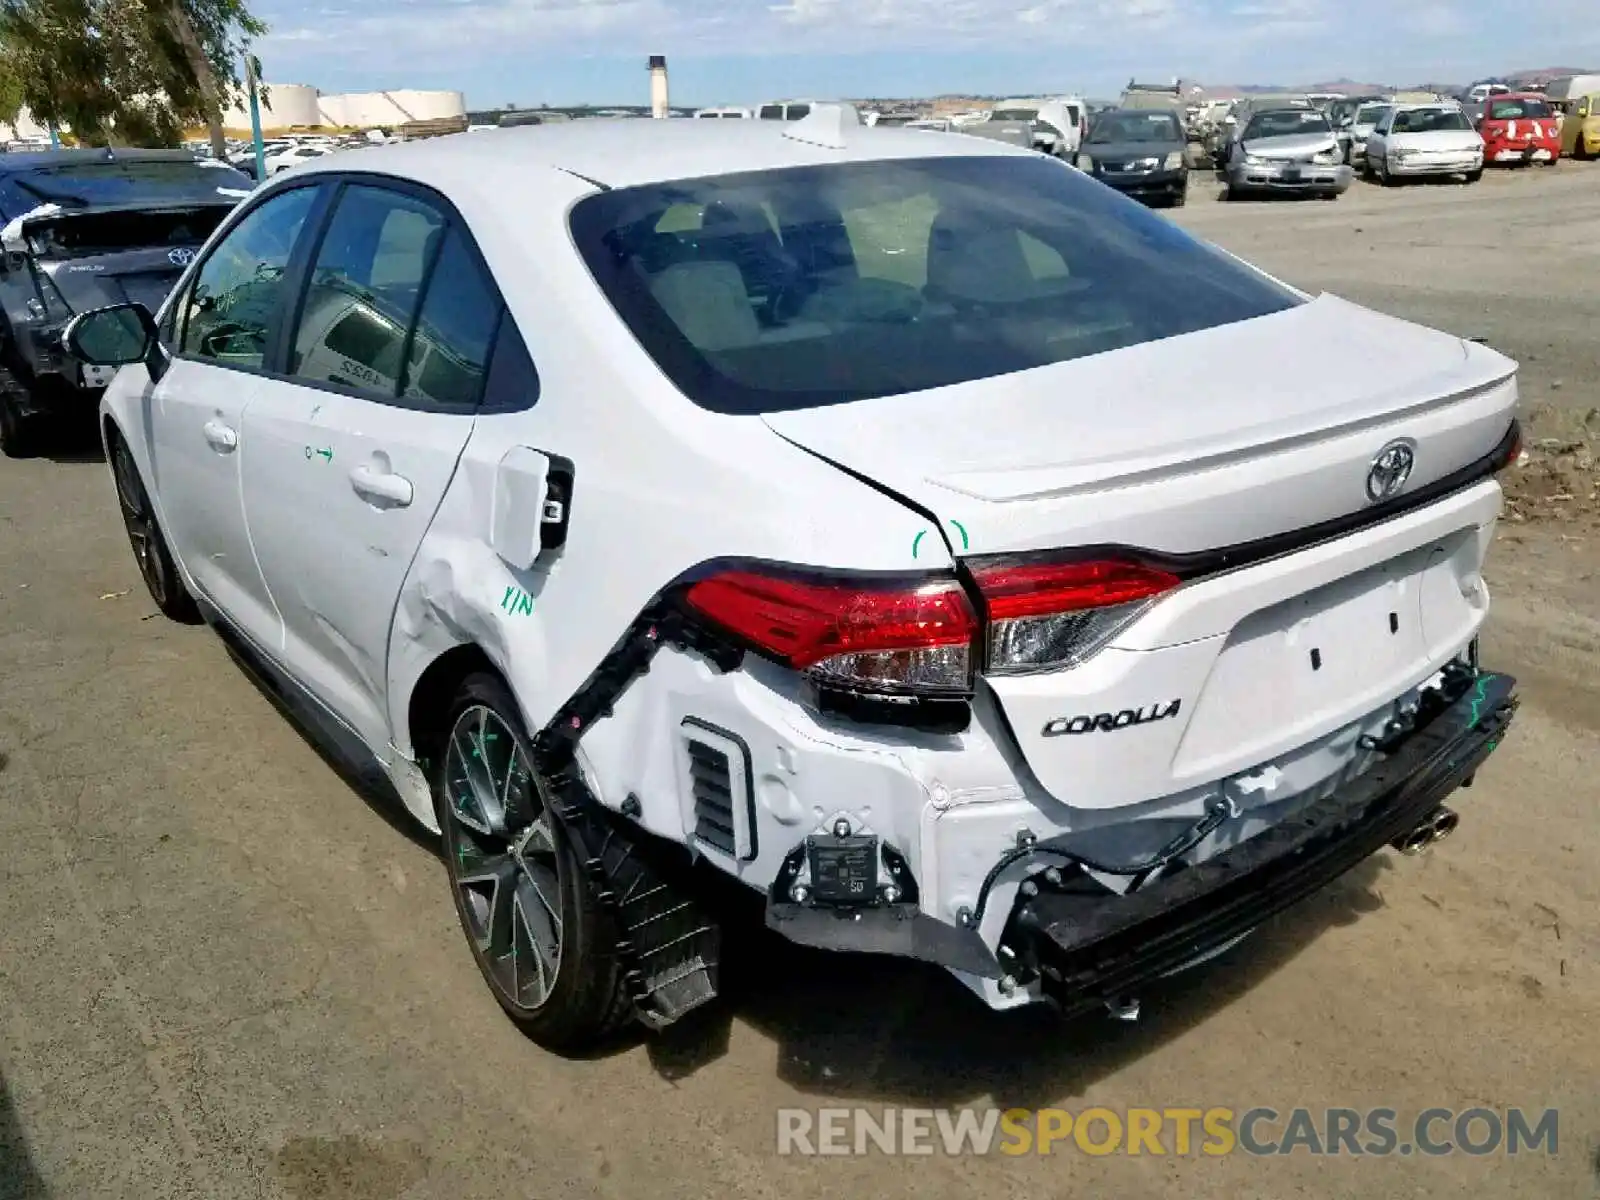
(749, 781)
(1202, 563)
(1091, 948)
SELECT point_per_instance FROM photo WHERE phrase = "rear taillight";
(1046, 616)
(908, 636)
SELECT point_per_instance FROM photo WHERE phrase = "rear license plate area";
(1312, 663)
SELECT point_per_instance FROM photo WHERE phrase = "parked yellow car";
(1580, 128)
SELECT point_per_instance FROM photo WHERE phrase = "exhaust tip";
(1437, 826)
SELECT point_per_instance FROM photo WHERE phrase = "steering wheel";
(217, 342)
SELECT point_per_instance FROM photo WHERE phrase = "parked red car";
(1519, 129)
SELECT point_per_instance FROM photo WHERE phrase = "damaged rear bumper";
(1087, 946)
(1091, 950)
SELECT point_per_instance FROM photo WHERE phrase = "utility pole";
(255, 116)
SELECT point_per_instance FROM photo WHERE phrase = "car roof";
(623, 153)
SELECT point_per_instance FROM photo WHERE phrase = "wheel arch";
(428, 705)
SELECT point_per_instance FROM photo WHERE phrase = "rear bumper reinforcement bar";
(1095, 949)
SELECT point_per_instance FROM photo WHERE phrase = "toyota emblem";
(1389, 471)
(181, 257)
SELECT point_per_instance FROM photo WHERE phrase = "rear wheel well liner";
(428, 708)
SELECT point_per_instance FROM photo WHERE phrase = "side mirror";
(114, 337)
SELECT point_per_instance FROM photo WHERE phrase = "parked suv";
(842, 515)
(1140, 153)
(84, 229)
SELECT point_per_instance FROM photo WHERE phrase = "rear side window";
(455, 330)
(819, 285)
(364, 290)
(771, 112)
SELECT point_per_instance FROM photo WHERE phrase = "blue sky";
(741, 51)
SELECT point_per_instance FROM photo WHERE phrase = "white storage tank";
(286, 104)
(367, 109)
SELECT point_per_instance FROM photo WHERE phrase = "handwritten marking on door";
(326, 454)
(517, 602)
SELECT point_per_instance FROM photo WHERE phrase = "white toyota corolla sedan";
(834, 508)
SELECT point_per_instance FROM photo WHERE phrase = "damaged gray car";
(84, 229)
(1287, 150)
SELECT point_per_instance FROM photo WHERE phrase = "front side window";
(818, 285)
(238, 291)
(364, 291)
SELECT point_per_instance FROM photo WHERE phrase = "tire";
(17, 430)
(1474, 176)
(533, 921)
(150, 551)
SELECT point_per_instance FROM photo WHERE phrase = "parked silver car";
(1287, 150)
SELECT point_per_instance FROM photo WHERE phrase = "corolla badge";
(182, 256)
(1389, 471)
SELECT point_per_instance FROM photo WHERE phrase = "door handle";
(221, 438)
(393, 490)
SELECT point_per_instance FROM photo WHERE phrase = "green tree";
(128, 70)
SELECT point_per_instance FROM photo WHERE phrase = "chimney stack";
(659, 106)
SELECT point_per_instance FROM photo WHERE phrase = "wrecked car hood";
(1297, 145)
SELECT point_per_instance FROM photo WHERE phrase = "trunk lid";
(1252, 431)
(102, 257)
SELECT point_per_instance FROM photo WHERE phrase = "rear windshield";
(1014, 114)
(1430, 120)
(1516, 110)
(123, 183)
(1135, 127)
(1287, 122)
(811, 286)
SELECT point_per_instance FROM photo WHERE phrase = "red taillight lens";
(1046, 616)
(914, 636)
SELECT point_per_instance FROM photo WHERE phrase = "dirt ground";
(227, 971)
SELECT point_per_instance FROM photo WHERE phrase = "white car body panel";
(193, 413)
(355, 598)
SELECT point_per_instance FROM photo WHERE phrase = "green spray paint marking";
(517, 602)
(962, 529)
(326, 454)
(1479, 697)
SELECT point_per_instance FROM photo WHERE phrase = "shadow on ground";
(877, 1029)
(883, 1030)
(19, 1180)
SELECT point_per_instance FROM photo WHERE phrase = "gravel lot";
(227, 971)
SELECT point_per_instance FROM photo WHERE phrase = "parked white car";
(293, 155)
(1059, 125)
(838, 508)
(1366, 120)
(1414, 140)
